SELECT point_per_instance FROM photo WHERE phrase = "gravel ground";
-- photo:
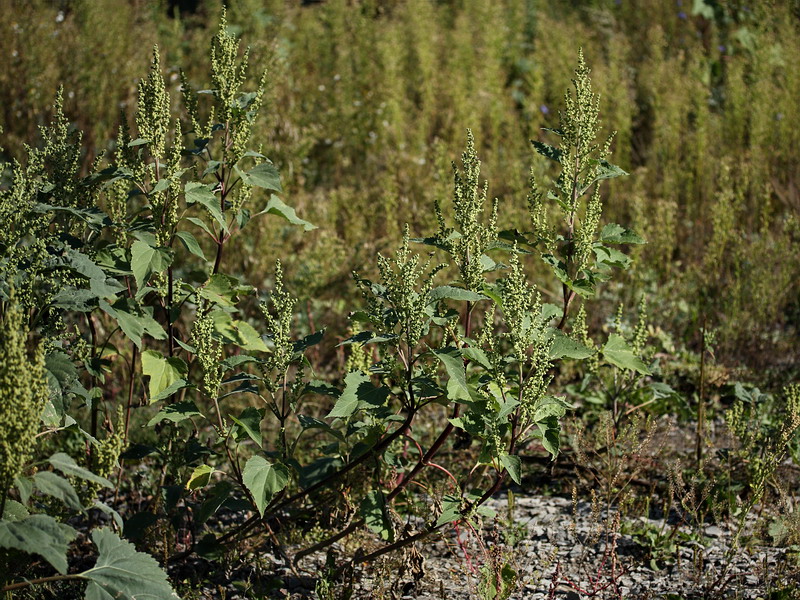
(560, 550)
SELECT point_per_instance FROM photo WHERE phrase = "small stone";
(713, 531)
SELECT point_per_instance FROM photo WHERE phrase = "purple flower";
(544, 109)
(721, 48)
(681, 15)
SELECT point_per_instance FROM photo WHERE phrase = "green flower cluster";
(23, 393)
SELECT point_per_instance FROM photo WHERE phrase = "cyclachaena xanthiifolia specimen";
(23, 392)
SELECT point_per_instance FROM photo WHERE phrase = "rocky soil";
(559, 549)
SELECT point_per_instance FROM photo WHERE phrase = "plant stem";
(29, 582)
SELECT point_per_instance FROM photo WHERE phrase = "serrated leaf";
(190, 243)
(276, 206)
(171, 389)
(219, 494)
(146, 260)
(454, 293)
(618, 353)
(177, 412)
(220, 289)
(566, 347)
(56, 486)
(477, 355)
(199, 193)
(617, 234)
(376, 517)
(264, 480)
(265, 176)
(163, 371)
(514, 467)
(359, 392)
(39, 534)
(451, 510)
(122, 573)
(14, 511)
(248, 424)
(200, 477)
(457, 388)
(66, 464)
(547, 150)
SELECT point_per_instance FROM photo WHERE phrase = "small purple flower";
(544, 109)
(721, 48)
(682, 15)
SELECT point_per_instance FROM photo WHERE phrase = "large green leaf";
(457, 388)
(163, 371)
(56, 486)
(376, 516)
(248, 424)
(122, 573)
(618, 353)
(220, 289)
(359, 392)
(200, 477)
(276, 206)
(264, 176)
(39, 534)
(454, 293)
(514, 467)
(565, 347)
(134, 320)
(66, 464)
(264, 480)
(617, 234)
(177, 412)
(199, 193)
(146, 260)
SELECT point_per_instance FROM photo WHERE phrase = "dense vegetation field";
(297, 297)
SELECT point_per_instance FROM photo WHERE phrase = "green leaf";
(276, 206)
(454, 293)
(264, 176)
(514, 467)
(376, 517)
(171, 389)
(200, 477)
(39, 534)
(146, 260)
(240, 333)
(451, 510)
(14, 511)
(199, 193)
(218, 495)
(605, 170)
(66, 464)
(547, 150)
(566, 347)
(359, 392)
(134, 320)
(618, 353)
(617, 234)
(477, 355)
(220, 289)
(56, 486)
(264, 480)
(162, 371)
(550, 406)
(248, 424)
(180, 411)
(457, 388)
(190, 243)
(122, 573)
